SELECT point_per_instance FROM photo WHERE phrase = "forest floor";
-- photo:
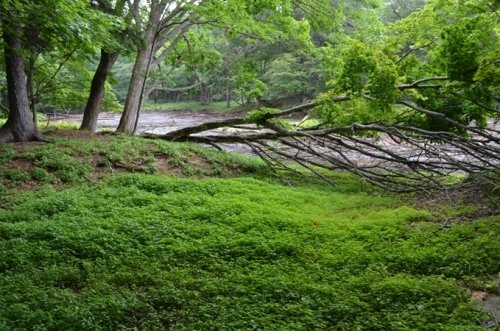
(121, 233)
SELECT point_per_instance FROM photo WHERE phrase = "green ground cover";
(110, 237)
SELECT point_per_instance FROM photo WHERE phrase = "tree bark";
(19, 126)
(161, 27)
(30, 79)
(31, 92)
(134, 99)
(97, 91)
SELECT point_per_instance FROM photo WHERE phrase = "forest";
(249, 165)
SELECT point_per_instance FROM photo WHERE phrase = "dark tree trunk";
(97, 91)
(30, 78)
(3, 100)
(31, 93)
(19, 126)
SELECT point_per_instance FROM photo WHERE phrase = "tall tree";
(166, 22)
(30, 29)
(97, 90)
(108, 56)
(19, 125)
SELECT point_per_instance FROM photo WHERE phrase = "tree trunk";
(228, 93)
(205, 96)
(130, 116)
(133, 101)
(97, 91)
(19, 126)
(31, 92)
(30, 78)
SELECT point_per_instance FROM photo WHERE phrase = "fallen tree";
(404, 113)
(396, 156)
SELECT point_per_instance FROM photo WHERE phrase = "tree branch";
(416, 84)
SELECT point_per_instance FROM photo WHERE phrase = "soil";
(490, 304)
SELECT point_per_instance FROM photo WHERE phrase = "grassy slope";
(155, 252)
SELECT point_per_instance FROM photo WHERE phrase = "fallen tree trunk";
(402, 158)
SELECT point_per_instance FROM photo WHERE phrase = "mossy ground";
(117, 233)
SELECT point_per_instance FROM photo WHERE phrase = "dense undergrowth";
(103, 234)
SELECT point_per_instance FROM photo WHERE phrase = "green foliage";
(58, 37)
(293, 75)
(260, 115)
(69, 90)
(267, 20)
(382, 83)
(233, 254)
(120, 77)
(49, 24)
(359, 63)
(457, 41)
(459, 52)
(247, 86)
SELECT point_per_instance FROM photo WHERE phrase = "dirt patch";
(490, 304)
(164, 166)
(29, 185)
(26, 145)
(471, 217)
(21, 164)
(199, 162)
(478, 193)
(99, 169)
